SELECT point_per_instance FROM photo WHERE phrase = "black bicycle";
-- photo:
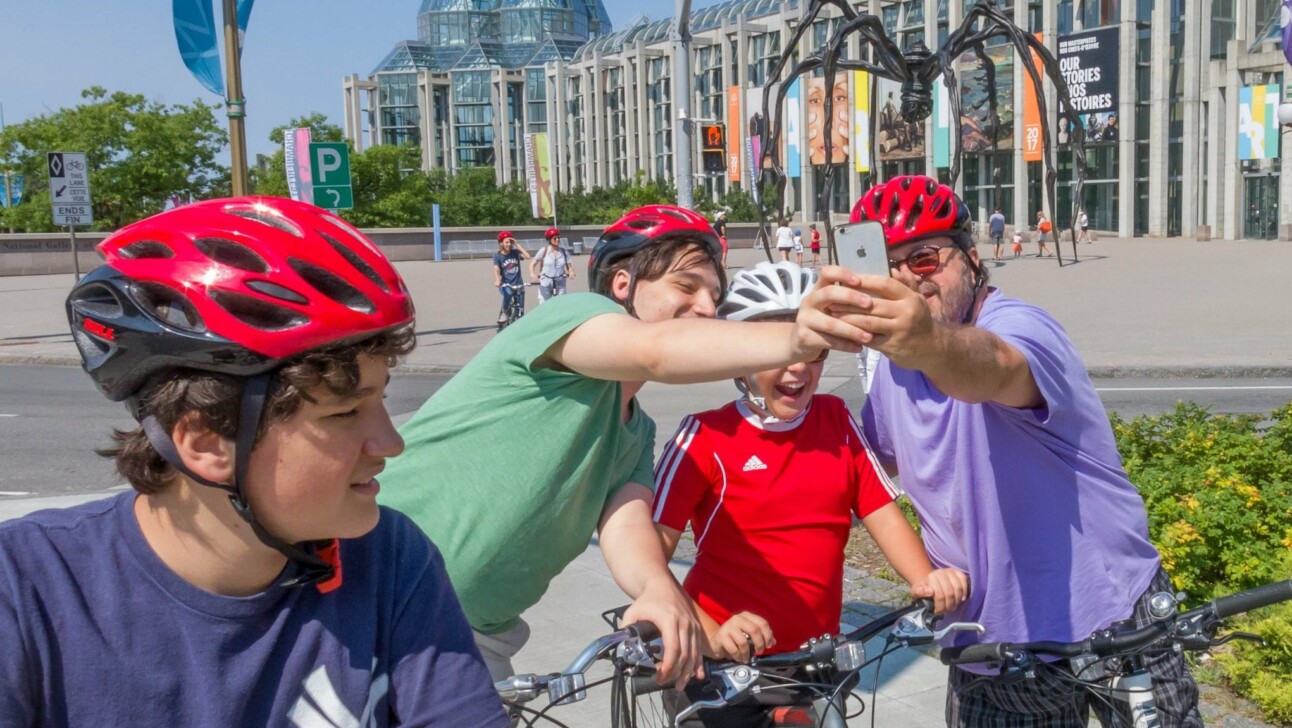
(809, 686)
(515, 304)
(1110, 663)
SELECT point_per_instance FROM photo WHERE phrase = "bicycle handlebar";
(1190, 629)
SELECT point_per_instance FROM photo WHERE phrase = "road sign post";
(331, 162)
(69, 195)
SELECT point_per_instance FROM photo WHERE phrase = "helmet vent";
(356, 261)
(146, 249)
(235, 255)
(97, 300)
(277, 291)
(268, 217)
(256, 313)
(168, 306)
(332, 286)
(913, 215)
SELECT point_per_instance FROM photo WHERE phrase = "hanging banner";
(1032, 148)
(1258, 129)
(538, 170)
(296, 160)
(841, 126)
(199, 38)
(897, 138)
(1089, 63)
(861, 119)
(10, 194)
(942, 126)
(733, 133)
(758, 121)
(975, 111)
(793, 158)
(1285, 22)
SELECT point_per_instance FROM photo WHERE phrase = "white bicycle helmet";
(767, 289)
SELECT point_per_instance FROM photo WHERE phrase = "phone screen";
(862, 248)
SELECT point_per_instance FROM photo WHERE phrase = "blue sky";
(295, 55)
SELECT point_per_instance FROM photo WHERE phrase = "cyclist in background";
(770, 484)
(250, 577)
(556, 267)
(983, 406)
(571, 370)
(506, 274)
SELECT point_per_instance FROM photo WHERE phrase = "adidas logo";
(753, 463)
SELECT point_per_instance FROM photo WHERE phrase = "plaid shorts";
(1052, 700)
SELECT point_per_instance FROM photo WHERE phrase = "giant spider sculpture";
(917, 70)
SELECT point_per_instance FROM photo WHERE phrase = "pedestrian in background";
(1083, 222)
(785, 239)
(798, 247)
(815, 245)
(997, 225)
(1043, 228)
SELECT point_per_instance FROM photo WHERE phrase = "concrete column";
(425, 120)
(1192, 103)
(642, 159)
(631, 124)
(1126, 110)
(983, 214)
(1232, 175)
(1158, 120)
(1216, 152)
(498, 99)
(557, 128)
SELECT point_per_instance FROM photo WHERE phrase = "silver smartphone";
(862, 248)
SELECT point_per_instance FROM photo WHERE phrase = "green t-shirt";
(508, 466)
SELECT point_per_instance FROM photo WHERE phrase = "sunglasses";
(923, 261)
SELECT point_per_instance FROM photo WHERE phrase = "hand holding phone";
(862, 248)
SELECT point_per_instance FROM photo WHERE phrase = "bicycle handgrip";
(645, 631)
(982, 652)
(1246, 601)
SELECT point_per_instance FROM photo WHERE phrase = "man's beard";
(955, 301)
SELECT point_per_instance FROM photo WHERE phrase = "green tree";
(140, 154)
(473, 197)
(389, 188)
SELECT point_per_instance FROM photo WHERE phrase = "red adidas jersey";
(771, 507)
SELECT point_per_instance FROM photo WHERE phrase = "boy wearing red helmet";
(250, 577)
(984, 407)
(571, 370)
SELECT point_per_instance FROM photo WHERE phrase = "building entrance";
(1261, 211)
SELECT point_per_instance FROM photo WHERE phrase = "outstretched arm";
(618, 347)
(964, 362)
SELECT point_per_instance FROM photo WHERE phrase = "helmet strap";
(311, 569)
(756, 402)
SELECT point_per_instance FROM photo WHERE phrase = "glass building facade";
(1186, 150)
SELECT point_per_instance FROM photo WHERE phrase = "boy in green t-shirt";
(508, 522)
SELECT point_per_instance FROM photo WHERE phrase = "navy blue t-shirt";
(96, 630)
(508, 266)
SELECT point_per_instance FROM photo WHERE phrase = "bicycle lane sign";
(69, 188)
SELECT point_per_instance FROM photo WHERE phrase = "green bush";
(1219, 495)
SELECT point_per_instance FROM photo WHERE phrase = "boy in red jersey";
(770, 484)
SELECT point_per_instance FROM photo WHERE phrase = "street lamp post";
(235, 104)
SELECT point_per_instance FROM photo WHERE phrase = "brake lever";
(919, 627)
(636, 652)
(1217, 641)
(735, 682)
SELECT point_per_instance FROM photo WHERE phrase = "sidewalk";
(1133, 307)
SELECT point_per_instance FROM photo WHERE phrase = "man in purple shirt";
(984, 407)
(249, 578)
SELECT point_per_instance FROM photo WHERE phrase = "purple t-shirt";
(1033, 504)
(96, 630)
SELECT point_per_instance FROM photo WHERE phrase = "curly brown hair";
(655, 261)
(216, 398)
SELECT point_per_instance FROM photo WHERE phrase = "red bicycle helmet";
(551, 233)
(504, 235)
(915, 207)
(232, 286)
(642, 227)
